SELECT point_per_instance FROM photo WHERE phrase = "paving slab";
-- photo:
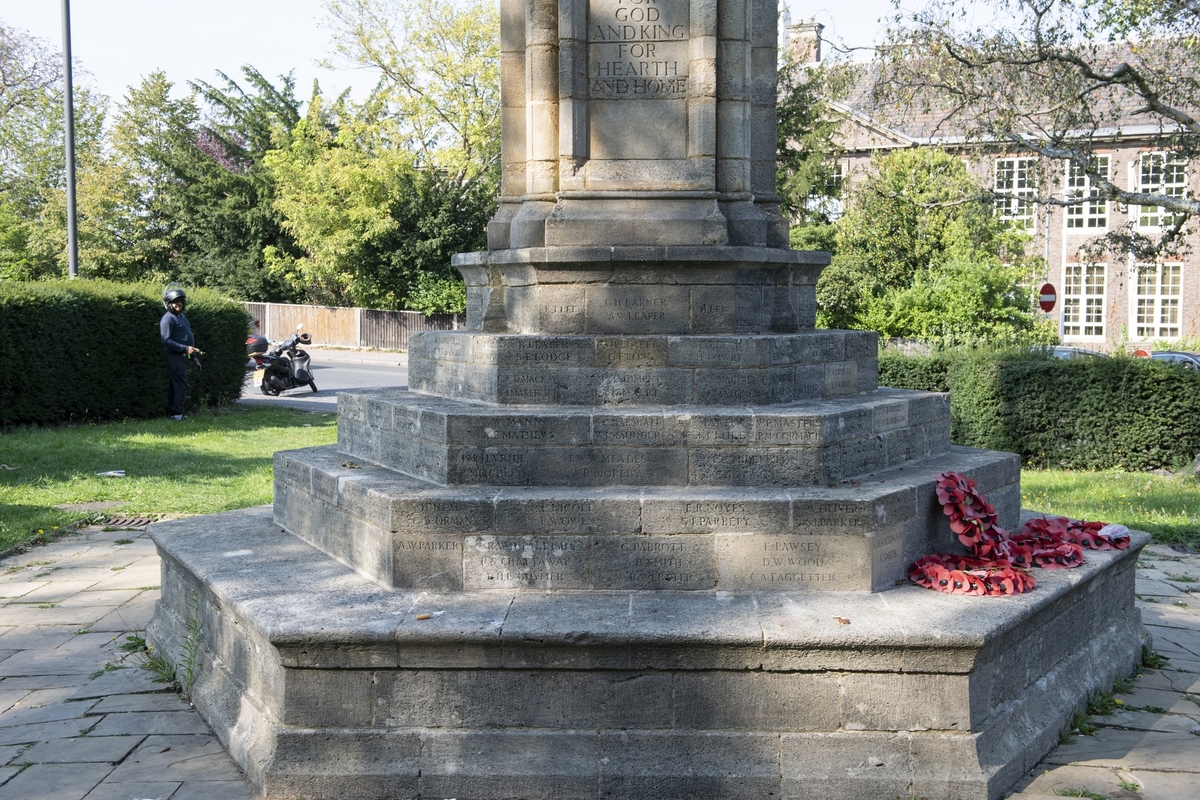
(1188, 682)
(188, 757)
(82, 749)
(29, 683)
(132, 679)
(215, 790)
(165, 700)
(1167, 785)
(42, 637)
(151, 722)
(1111, 747)
(56, 591)
(1056, 782)
(131, 616)
(43, 705)
(1151, 721)
(19, 588)
(146, 790)
(1171, 702)
(55, 782)
(10, 696)
(9, 752)
(51, 614)
(59, 729)
(100, 599)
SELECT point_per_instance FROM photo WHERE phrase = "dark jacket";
(176, 333)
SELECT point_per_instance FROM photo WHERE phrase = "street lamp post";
(69, 120)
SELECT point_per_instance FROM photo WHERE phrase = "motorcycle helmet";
(173, 292)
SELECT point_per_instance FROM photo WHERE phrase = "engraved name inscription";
(638, 49)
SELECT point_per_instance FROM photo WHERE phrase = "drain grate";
(128, 523)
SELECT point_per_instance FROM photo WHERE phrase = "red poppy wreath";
(999, 563)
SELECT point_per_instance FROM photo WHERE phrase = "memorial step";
(805, 443)
(643, 370)
(859, 534)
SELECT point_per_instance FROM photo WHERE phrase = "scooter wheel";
(312, 385)
(268, 389)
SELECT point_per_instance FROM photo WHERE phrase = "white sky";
(119, 41)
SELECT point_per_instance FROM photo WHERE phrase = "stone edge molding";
(324, 685)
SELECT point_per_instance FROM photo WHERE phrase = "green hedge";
(90, 350)
(1081, 413)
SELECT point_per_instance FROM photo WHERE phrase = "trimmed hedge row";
(90, 350)
(1080, 413)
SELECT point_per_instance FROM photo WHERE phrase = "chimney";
(804, 40)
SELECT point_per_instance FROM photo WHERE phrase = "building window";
(1159, 292)
(1083, 300)
(1090, 213)
(1015, 190)
(1165, 174)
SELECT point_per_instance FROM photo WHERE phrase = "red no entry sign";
(1047, 297)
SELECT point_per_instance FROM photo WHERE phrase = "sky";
(120, 41)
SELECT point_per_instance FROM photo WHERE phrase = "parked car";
(1185, 360)
(1076, 352)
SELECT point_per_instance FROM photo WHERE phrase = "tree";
(1054, 78)
(33, 162)
(919, 254)
(221, 197)
(150, 134)
(376, 229)
(439, 66)
(29, 69)
(808, 124)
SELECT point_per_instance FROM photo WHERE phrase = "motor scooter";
(285, 366)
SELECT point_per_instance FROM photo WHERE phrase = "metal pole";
(69, 120)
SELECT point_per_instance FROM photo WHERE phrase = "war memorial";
(640, 531)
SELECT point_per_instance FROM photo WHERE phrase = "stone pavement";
(80, 720)
(1150, 747)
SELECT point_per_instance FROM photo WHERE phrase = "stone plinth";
(406, 533)
(793, 444)
(641, 290)
(643, 370)
(640, 532)
(324, 685)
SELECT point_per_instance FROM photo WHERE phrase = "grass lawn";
(215, 460)
(1167, 506)
(221, 459)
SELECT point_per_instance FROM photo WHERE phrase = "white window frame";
(1157, 314)
(1163, 173)
(1091, 214)
(1016, 178)
(1084, 301)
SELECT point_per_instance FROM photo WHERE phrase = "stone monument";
(640, 531)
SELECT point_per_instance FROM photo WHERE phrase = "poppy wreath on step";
(998, 564)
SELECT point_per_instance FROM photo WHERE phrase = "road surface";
(336, 371)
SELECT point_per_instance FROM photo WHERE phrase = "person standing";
(178, 345)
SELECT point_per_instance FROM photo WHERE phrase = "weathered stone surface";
(760, 673)
(851, 535)
(640, 530)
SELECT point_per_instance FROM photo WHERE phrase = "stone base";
(641, 290)
(857, 534)
(324, 685)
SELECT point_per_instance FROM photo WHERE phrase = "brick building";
(1107, 305)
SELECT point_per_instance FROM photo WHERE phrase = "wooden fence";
(347, 327)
